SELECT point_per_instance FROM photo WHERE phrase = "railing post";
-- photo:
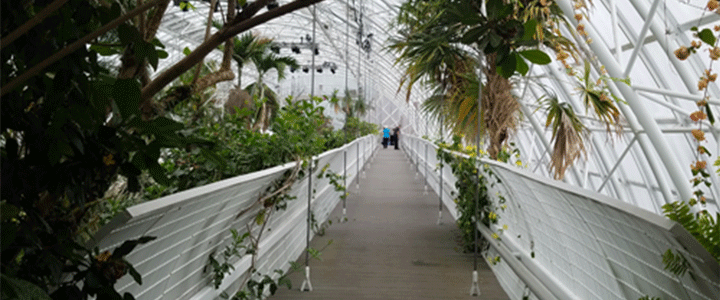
(306, 284)
(357, 166)
(426, 168)
(345, 184)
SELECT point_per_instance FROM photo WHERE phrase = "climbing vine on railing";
(468, 179)
(703, 226)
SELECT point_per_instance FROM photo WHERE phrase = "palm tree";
(248, 48)
(264, 63)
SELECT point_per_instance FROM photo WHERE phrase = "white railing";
(192, 225)
(564, 242)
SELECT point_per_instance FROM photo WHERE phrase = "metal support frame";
(638, 109)
(617, 163)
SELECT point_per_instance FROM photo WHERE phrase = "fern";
(702, 225)
(675, 263)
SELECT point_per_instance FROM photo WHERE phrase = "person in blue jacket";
(386, 136)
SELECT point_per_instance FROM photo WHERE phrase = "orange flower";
(682, 53)
(698, 134)
(715, 53)
(702, 84)
(578, 17)
(702, 103)
(712, 4)
(698, 115)
(562, 55)
(701, 149)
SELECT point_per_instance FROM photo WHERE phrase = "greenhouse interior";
(360, 149)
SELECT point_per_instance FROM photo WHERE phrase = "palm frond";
(567, 129)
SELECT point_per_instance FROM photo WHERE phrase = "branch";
(75, 46)
(24, 28)
(242, 22)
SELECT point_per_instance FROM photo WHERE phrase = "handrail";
(193, 224)
(586, 245)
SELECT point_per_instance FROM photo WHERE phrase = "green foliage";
(469, 183)
(675, 262)
(649, 298)
(237, 248)
(66, 135)
(701, 225)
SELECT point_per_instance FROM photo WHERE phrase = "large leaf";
(14, 288)
(707, 36)
(536, 56)
(129, 245)
(472, 35)
(521, 66)
(127, 97)
(508, 65)
(497, 10)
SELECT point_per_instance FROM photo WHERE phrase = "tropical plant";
(265, 62)
(567, 134)
(65, 113)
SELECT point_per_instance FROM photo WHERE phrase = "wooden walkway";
(391, 247)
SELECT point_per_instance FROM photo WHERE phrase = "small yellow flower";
(495, 236)
(108, 159)
(102, 257)
(492, 216)
(505, 227)
(519, 163)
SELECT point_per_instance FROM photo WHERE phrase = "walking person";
(396, 137)
(386, 137)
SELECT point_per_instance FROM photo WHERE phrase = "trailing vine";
(702, 225)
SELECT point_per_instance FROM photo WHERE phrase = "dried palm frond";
(567, 129)
(500, 108)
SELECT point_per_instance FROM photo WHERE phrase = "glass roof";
(648, 165)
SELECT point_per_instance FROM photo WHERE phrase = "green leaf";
(164, 125)
(158, 172)
(707, 36)
(127, 97)
(521, 66)
(128, 34)
(472, 35)
(147, 51)
(536, 56)
(187, 51)
(710, 115)
(134, 273)
(508, 65)
(530, 30)
(105, 50)
(129, 245)
(8, 211)
(15, 288)
(162, 54)
(496, 9)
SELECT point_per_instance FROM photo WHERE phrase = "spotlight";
(272, 5)
(306, 69)
(295, 49)
(332, 70)
(319, 70)
(317, 51)
(276, 49)
(308, 37)
(292, 69)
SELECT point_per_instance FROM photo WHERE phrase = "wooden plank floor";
(391, 247)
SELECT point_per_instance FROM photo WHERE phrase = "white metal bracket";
(306, 285)
(475, 288)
